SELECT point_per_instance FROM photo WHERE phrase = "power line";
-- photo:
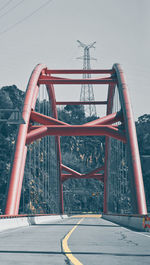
(6, 4)
(25, 18)
(12, 8)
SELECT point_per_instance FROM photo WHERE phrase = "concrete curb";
(135, 222)
(16, 222)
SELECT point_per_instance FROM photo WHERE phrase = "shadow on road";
(75, 224)
(73, 253)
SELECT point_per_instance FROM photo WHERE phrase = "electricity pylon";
(87, 93)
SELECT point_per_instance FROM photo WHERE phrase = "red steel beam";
(65, 177)
(70, 170)
(109, 119)
(45, 120)
(57, 80)
(75, 130)
(36, 134)
(36, 91)
(88, 175)
(81, 102)
(76, 71)
(110, 95)
(51, 93)
(93, 172)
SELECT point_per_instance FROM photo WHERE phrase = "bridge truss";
(38, 151)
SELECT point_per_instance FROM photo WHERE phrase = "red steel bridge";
(38, 150)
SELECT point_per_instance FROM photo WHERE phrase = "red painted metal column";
(111, 90)
(105, 176)
(133, 151)
(51, 93)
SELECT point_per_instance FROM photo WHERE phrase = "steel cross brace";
(77, 175)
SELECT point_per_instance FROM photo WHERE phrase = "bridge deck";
(93, 241)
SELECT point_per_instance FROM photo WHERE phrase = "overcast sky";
(31, 33)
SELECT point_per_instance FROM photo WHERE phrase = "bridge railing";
(15, 221)
(133, 221)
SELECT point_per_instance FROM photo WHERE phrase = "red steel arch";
(52, 126)
(133, 150)
(15, 185)
(138, 194)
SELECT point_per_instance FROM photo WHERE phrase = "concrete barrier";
(35, 220)
(16, 221)
(137, 222)
(10, 223)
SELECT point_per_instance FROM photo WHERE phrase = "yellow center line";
(67, 249)
(86, 216)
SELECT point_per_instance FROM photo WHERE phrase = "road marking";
(67, 249)
(87, 216)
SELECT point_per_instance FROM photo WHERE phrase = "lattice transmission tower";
(87, 92)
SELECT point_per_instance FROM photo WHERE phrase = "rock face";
(81, 153)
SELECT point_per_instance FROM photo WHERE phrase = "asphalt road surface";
(76, 240)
